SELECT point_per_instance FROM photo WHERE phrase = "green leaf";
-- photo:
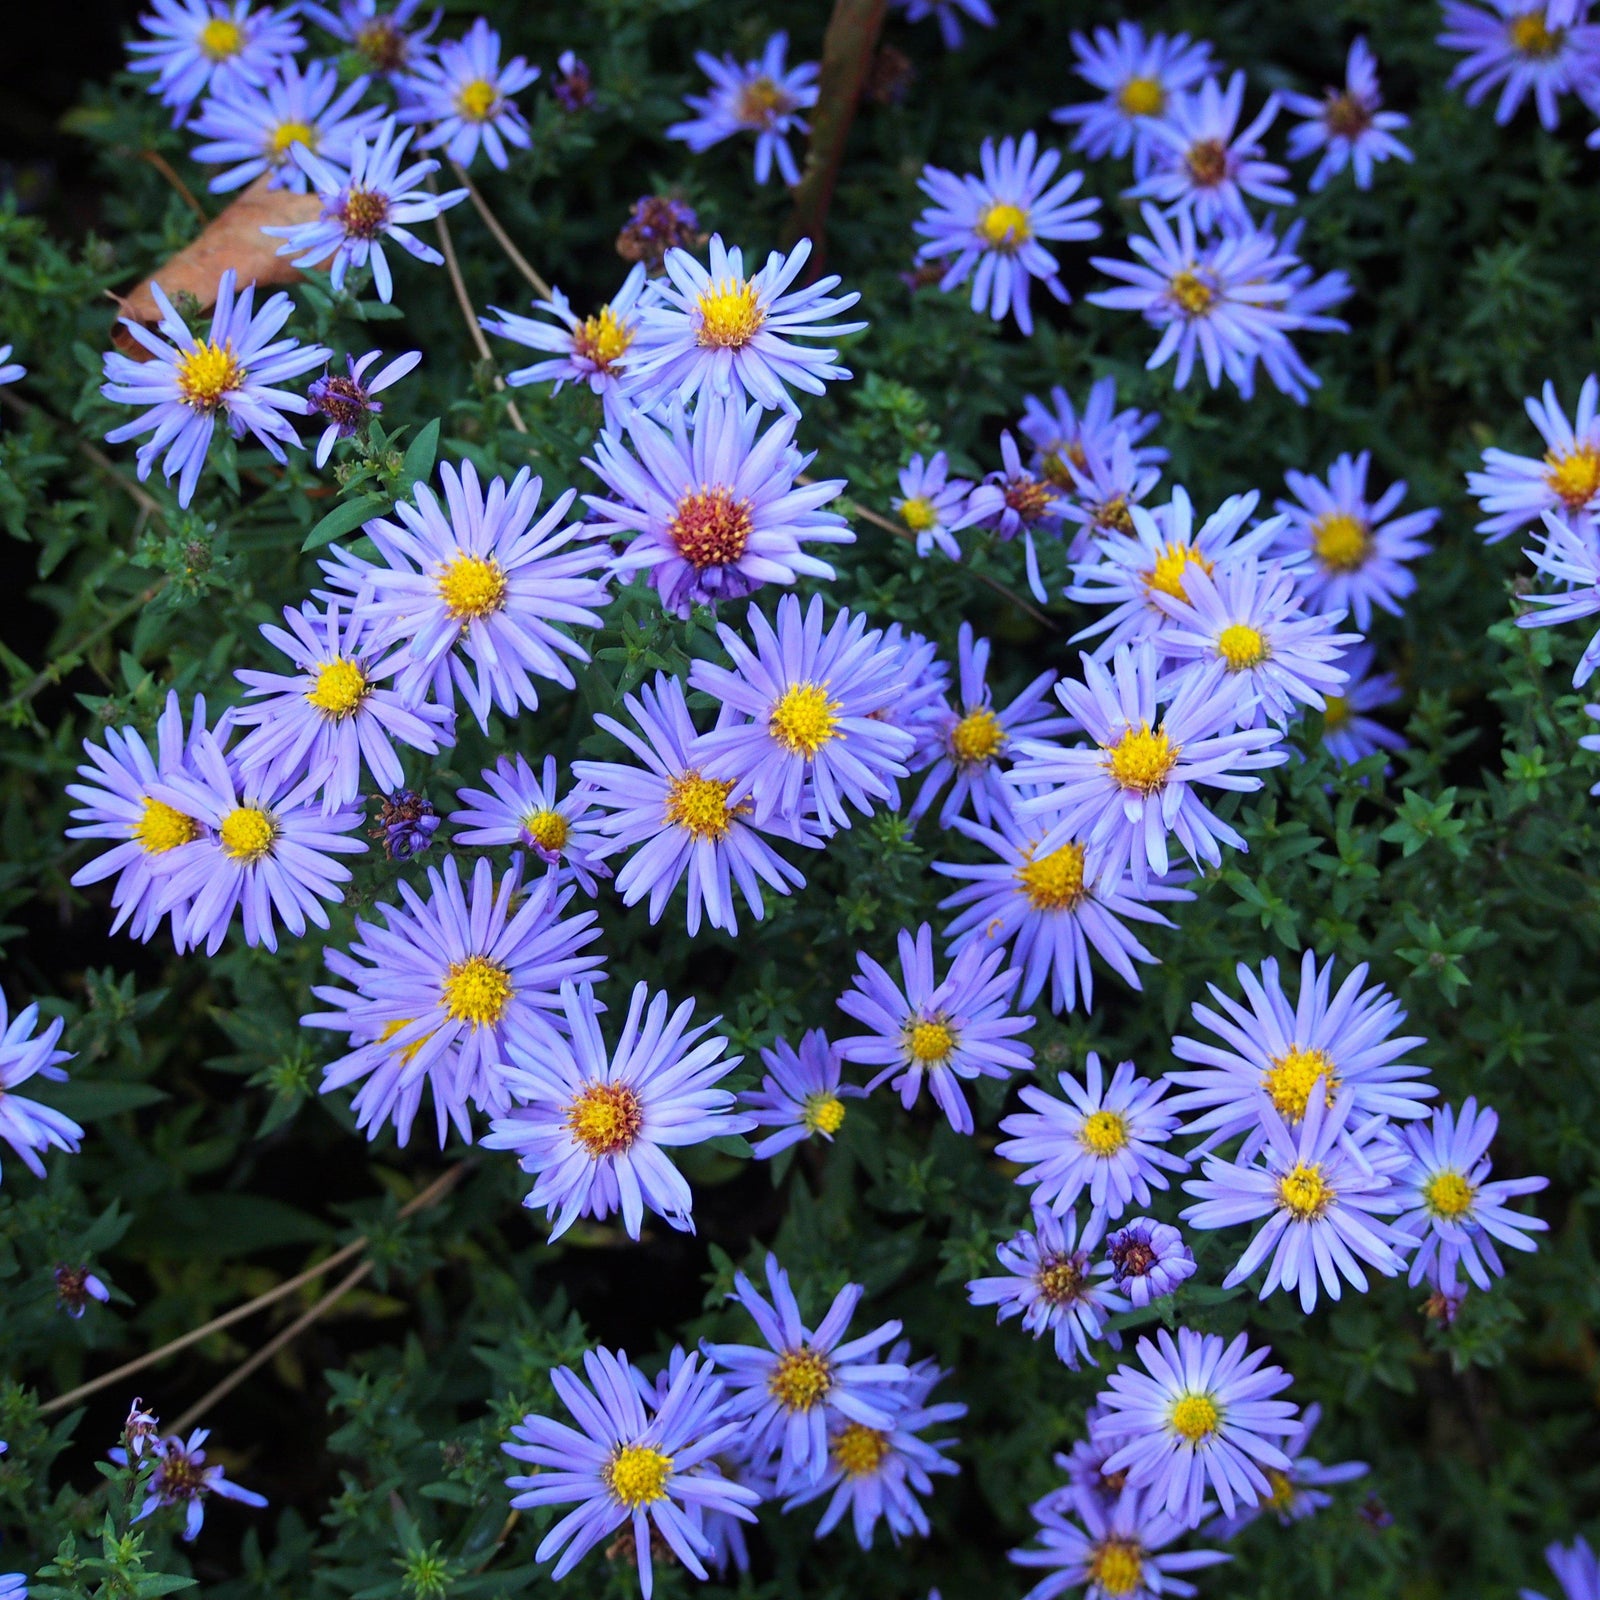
(92, 1102)
(345, 518)
(420, 453)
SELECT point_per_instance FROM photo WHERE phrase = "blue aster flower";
(1104, 489)
(1448, 1205)
(521, 808)
(1297, 1493)
(183, 1479)
(1576, 1568)
(931, 503)
(1349, 553)
(643, 1467)
(13, 1586)
(714, 328)
(1344, 1040)
(801, 1383)
(1348, 733)
(27, 1126)
(711, 510)
(958, 1028)
(800, 1095)
(762, 97)
(1104, 1138)
(1063, 437)
(10, 371)
(367, 197)
(1516, 490)
(1113, 1550)
(478, 583)
(385, 40)
(348, 401)
(810, 741)
(440, 992)
(1200, 1416)
(688, 824)
(195, 45)
(1156, 741)
(921, 706)
(462, 94)
(1014, 500)
(1521, 47)
(333, 716)
(1571, 557)
(1347, 127)
(592, 1125)
(1147, 1260)
(948, 14)
(992, 222)
(232, 374)
(1049, 1283)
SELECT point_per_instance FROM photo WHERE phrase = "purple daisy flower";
(950, 1030)
(1147, 1260)
(1449, 1207)
(1576, 1568)
(813, 744)
(761, 97)
(332, 717)
(1064, 438)
(992, 223)
(1199, 1416)
(688, 824)
(1573, 558)
(195, 45)
(1138, 77)
(347, 402)
(1348, 734)
(1348, 127)
(645, 1468)
(715, 329)
(1298, 1492)
(973, 738)
(479, 583)
(1344, 1040)
(1135, 786)
(1349, 553)
(520, 808)
(385, 40)
(948, 14)
(1012, 500)
(1048, 1283)
(27, 1126)
(463, 93)
(76, 1287)
(712, 511)
(1521, 47)
(593, 1125)
(790, 1391)
(1104, 490)
(931, 503)
(183, 1479)
(801, 1094)
(231, 373)
(1104, 1138)
(1516, 491)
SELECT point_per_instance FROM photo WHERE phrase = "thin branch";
(64, 662)
(164, 167)
(502, 238)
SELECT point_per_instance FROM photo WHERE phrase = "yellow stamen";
(824, 1113)
(248, 833)
(408, 1053)
(1341, 542)
(1192, 294)
(1242, 647)
(1103, 1133)
(1053, 882)
(220, 39)
(1288, 1081)
(637, 1475)
(605, 1118)
(761, 102)
(800, 1378)
(1304, 1192)
(477, 991)
(930, 1042)
(1447, 1194)
(1194, 1417)
(547, 829)
(1117, 1566)
(1059, 1279)
(472, 587)
(1142, 97)
(1575, 476)
(1336, 713)
(602, 338)
(340, 688)
(731, 315)
(1003, 226)
(207, 373)
(1532, 36)
(918, 513)
(805, 718)
(476, 100)
(859, 1450)
(977, 738)
(700, 805)
(287, 134)
(1141, 760)
(1281, 1495)
(162, 828)
(1167, 573)
(711, 528)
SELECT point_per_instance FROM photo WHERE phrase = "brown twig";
(502, 238)
(164, 167)
(464, 300)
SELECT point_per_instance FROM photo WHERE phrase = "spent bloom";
(76, 1287)
(1015, 499)
(183, 1479)
(762, 97)
(1146, 1260)
(406, 823)
(232, 374)
(1515, 491)
(195, 45)
(1520, 47)
(385, 40)
(463, 94)
(992, 222)
(521, 808)
(946, 1031)
(574, 89)
(930, 503)
(800, 1095)
(348, 401)
(27, 1126)
(1347, 127)
(1299, 1490)
(656, 224)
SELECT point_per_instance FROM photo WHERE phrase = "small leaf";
(345, 519)
(420, 453)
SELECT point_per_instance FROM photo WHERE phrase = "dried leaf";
(233, 239)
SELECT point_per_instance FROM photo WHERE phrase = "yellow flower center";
(1004, 226)
(1191, 293)
(1053, 882)
(1103, 1133)
(247, 834)
(930, 1042)
(730, 315)
(1574, 477)
(547, 829)
(220, 39)
(1141, 760)
(472, 587)
(800, 1378)
(1113, 515)
(1289, 1079)
(700, 805)
(858, 1451)
(1117, 1566)
(477, 991)
(1207, 161)
(761, 102)
(1167, 573)
(340, 688)
(605, 1119)
(1059, 1279)
(206, 374)
(1242, 647)
(1341, 542)
(1447, 1194)
(1336, 713)
(1532, 36)
(824, 1112)
(287, 134)
(1281, 1494)
(977, 738)
(918, 513)
(161, 828)
(637, 1475)
(805, 718)
(408, 1053)
(711, 528)
(1194, 1417)
(476, 100)
(1142, 97)
(1304, 1192)
(602, 338)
